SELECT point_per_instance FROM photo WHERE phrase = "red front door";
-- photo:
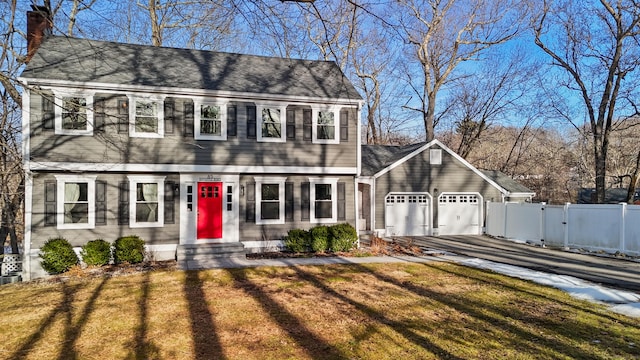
(209, 210)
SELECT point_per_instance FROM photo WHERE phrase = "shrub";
(96, 252)
(57, 256)
(128, 249)
(343, 237)
(319, 238)
(297, 240)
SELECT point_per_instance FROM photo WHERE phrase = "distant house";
(427, 189)
(612, 196)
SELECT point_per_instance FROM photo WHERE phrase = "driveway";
(607, 271)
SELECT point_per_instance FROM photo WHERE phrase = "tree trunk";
(634, 180)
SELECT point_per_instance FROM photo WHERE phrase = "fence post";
(504, 219)
(542, 221)
(565, 222)
(623, 220)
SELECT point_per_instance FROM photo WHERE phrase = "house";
(187, 149)
(427, 189)
(205, 154)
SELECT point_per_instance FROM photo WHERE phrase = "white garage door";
(459, 214)
(407, 214)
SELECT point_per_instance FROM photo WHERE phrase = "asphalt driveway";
(607, 271)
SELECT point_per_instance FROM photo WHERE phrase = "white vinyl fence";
(609, 228)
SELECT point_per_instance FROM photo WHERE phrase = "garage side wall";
(418, 175)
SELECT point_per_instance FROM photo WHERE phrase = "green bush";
(297, 240)
(128, 249)
(96, 252)
(57, 256)
(319, 238)
(343, 237)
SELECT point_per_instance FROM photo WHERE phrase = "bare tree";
(596, 48)
(445, 33)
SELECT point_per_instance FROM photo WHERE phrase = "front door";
(209, 210)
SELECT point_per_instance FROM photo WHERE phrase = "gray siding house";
(183, 148)
(427, 189)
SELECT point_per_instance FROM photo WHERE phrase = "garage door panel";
(459, 214)
(407, 214)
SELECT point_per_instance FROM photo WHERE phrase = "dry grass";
(402, 311)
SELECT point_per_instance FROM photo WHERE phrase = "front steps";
(191, 256)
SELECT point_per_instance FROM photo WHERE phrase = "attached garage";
(459, 214)
(427, 189)
(407, 214)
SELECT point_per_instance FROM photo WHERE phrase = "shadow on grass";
(142, 348)
(72, 329)
(205, 338)
(288, 322)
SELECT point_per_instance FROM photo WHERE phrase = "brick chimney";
(39, 26)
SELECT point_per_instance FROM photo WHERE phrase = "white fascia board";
(452, 153)
(359, 139)
(189, 92)
(365, 180)
(116, 167)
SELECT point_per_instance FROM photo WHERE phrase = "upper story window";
(270, 200)
(73, 115)
(271, 124)
(76, 201)
(210, 120)
(146, 201)
(146, 117)
(325, 126)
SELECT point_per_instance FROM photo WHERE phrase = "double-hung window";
(270, 200)
(73, 114)
(146, 201)
(325, 126)
(323, 195)
(210, 120)
(76, 201)
(271, 123)
(146, 116)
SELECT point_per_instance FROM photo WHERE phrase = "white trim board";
(235, 169)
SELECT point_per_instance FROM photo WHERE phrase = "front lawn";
(378, 311)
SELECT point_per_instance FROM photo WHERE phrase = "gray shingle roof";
(81, 60)
(506, 181)
(378, 157)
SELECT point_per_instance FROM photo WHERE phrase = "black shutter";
(123, 203)
(232, 121)
(288, 201)
(291, 124)
(48, 112)
(342, 214)
(50, 203)
(307, 125)
(251, 203)
(344, 125)
(169, 116)
(188, 119)
(251, 122)
(305, 201)
(101, 203)
(169, 203)
(123, 116)
(98, 114)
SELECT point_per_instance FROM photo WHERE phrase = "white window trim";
(283, 122)
(281, 193)
(133, 181)
(58, 107)
(61, 180)
(334, 200)
(132, 115)
(435, 156)
(315, 112)
(197, 113)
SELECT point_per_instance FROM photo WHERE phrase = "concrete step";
(204, 252)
